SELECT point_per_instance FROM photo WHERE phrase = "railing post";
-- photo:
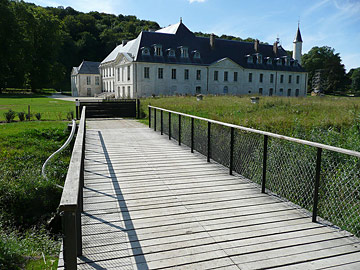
(231, 150)
(138, 108)
(70, 239)
(149, 117)
(208, 143)
(161, 122)
(179, 129)
(263, 184)
(169, 125)
(154, 119)
(192, 135)
(317, 184)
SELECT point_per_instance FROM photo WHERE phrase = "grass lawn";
(50, 109)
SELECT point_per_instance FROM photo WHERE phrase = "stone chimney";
(124, 42)
(212, 41)
(256, 45)
(275, 47)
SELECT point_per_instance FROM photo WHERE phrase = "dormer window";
(296, 63)
(259, 58)
(145, 51)
(250, 59)
(286, 60)
(279, 61)
(196, 55)
(268, 61)
(184, 52)
(171, 52)
(158, 50)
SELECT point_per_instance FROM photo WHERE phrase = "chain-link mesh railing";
(291, 167)
(248, 155)
(339, 193)
(291, 171)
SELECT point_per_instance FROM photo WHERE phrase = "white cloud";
(199, 1)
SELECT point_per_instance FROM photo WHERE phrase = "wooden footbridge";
(144, 202)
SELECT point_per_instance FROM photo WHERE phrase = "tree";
(325, 59)
(355, 79)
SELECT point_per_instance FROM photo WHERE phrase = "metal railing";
(71, 204)
(322, 179)
(69, 139)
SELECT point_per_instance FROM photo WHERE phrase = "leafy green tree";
(355, 80)
(329, 62)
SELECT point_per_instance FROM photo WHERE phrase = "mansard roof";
(87, 67)
(178, 35)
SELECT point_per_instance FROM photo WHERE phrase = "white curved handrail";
(59, 150)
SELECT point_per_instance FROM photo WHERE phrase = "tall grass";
(27, 200)
(330, 120)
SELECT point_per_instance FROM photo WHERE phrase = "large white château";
(174, 61)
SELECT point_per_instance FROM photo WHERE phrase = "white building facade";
(173, 61)
(86, 80)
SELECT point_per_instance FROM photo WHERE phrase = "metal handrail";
(43, 173)
(265, 133)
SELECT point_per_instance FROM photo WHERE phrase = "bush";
(28, 116)
(21, 116)
(10, 115)
(38, 116)
(70, 115)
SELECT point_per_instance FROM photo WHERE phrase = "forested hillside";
(39, 46)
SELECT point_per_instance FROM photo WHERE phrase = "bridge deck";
(150, 204)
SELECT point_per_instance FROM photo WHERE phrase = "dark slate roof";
(87, 67)
(234, 50)
(298, 36)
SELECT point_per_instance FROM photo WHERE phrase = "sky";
(333, 23)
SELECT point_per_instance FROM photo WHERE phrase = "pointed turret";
(297, 46)
(298, 36)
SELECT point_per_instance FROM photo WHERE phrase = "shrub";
(70, 115)
(10, 115)
(38, 116)
(28, 116)
(21, 116)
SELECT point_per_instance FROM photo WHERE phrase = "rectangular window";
(173, 74)
(226, 75)
(250, 77)
(128, 93)
(146, 72)
(88, 80)
(281, 78)
(186, 74)
(261, 77)
(122, 74)
(297, 79)
(271, 78)
(260, 91)
(128, 73)
(160, 73)
(289, 78)
(235, 76)
(216, 75)
(118, 74)
(97, 80)
(198, 75)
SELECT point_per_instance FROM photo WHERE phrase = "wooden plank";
(154, 205)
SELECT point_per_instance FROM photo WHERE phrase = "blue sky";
(334, 23)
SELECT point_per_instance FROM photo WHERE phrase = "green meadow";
(330, 120)
(27, 200)
(50, 109)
